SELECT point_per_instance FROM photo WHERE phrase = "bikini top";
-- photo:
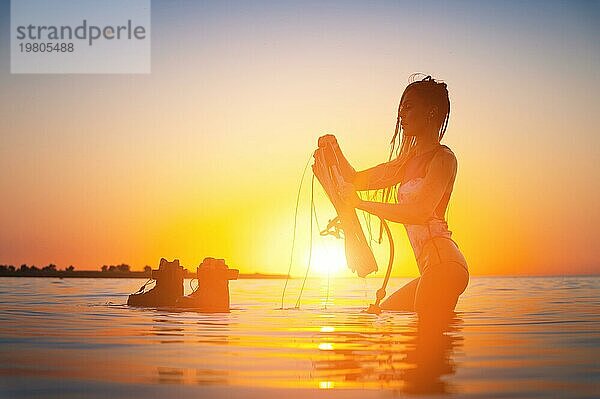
(413, 174)
(415, 170)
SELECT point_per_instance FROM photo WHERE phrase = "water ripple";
(509, 334)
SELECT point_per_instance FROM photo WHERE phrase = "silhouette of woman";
(423, 171)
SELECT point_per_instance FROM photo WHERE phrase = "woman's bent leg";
(403, 299)
(439, 288)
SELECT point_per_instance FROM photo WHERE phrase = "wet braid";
(437, 94)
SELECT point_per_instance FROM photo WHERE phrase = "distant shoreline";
(118, 274)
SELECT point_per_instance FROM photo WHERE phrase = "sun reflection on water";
(325, 346)
(326, 385)
(258, 345)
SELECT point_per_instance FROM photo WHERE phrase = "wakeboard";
(359, 256)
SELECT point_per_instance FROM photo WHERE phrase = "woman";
(425, 171)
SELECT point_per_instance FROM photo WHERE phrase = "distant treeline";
(51, 270)
(122, 268)
(107, 271)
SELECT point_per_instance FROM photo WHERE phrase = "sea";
(511, 337)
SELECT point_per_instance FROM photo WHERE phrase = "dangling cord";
(374, 308)
(197, 286)
(294, 234)
(327, 296)
(144, 286)
(367, 219)
(312, 207)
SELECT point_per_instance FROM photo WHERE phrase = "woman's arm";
(441, 172)
(384, 175)
(381, 176)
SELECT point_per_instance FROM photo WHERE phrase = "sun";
(328, 258)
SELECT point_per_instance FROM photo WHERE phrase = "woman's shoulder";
(446, 153)
(444, 158)
(446, 149)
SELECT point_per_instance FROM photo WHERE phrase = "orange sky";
(203, 156)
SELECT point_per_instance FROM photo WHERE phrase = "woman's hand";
(346, 190)
(348, 194)
(329, 144)
(326, 139)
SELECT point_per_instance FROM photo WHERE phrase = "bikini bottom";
(440, 250)
(444, 276)
(444, 267)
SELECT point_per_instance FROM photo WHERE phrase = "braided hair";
(433, 92)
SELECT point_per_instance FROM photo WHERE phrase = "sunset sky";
(203, 156)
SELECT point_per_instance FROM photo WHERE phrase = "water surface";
(511, 337)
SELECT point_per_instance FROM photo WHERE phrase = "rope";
(319, 229)
(143, 286)
(315, 211)
(367, 219)
(375, 308)
(327, 296)
(294, 234)
(312, 207)
(197, 286)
